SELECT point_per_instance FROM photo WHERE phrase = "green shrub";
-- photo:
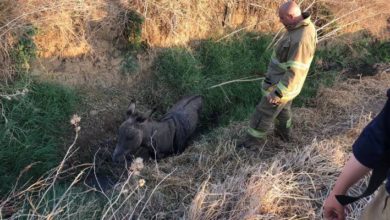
(24, 51)
(379, 52)
(30, 129)
(133, 34)
(133, 28)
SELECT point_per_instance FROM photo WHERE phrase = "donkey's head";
(130, 134)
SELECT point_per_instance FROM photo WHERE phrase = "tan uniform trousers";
(266, 114)
(378, 208)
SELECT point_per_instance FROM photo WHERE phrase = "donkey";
(161, 138)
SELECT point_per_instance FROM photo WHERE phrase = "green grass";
(184, 72)
(31, 129)
(358, 56)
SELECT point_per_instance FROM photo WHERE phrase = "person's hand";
(273, 98)
(333, 210)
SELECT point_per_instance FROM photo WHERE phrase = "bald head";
(290, 14)
(290, 8)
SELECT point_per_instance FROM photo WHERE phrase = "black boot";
(284, 134)
(250, 142)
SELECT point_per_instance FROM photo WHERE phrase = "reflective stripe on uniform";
(288, 95)
(289, 64)
(282, 88)
(297, 65)
(256, 133)
(275, 61)
(289, 123)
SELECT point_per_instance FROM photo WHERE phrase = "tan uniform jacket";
(291, 60)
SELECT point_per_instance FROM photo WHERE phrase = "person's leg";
(283, 122)
(260, 122)
(379, 207)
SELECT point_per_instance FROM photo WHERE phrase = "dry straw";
(74, 28)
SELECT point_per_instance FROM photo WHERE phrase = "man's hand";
(333, 210)
(273, 98)
(351, 173)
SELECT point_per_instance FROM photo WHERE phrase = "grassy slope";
(34, 119)
(31, 129)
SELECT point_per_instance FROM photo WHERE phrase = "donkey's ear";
(149, 113)
(131, 109)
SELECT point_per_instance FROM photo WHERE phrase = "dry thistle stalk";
(137, 165)
(75, 120)
(141, 183)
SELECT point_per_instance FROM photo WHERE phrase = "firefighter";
(285, 77)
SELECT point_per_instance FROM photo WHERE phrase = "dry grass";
(185, 21)
(89, 33)
(292, 183)
(6, 40)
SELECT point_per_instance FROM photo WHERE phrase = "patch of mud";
(104, 174)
